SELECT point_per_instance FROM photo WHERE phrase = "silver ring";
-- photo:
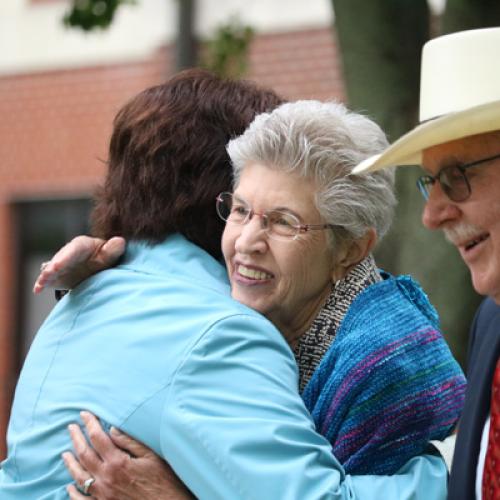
(87, 484)
(43, 265)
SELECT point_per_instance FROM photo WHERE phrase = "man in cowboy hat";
(458, 145)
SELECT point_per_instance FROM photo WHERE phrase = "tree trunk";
(470, 14)
(381, 43)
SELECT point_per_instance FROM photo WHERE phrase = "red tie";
(491, 476)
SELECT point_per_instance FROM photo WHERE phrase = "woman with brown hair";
(156, 347)
(297, 247)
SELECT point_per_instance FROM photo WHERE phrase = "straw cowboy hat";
(459, 96)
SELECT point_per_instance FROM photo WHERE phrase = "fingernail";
(85, 415)
(115, 431)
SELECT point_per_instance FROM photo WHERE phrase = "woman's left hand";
(121, 467)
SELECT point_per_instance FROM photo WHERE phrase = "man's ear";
(352, 253)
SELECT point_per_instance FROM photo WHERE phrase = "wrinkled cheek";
(285, 292)
(496, 271)
(486, 276)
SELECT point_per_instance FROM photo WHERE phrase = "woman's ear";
(352, 253)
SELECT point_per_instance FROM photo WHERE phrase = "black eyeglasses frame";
(425, 180)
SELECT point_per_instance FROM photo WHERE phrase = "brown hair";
(167, 158)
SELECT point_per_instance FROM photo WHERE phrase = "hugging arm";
(245, 433)
(125, 469)
(78, 260)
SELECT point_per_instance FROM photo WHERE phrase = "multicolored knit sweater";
(388, 383)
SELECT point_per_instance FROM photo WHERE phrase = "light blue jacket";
(157, 348)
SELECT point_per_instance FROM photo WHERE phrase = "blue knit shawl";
(388, 384)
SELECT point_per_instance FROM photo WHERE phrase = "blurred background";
(67, 66)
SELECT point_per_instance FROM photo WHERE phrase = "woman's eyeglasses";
(277, 223)
(453, 180)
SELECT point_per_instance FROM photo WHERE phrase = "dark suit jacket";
(484, 350)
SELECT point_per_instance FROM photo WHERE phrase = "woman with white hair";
(374, 370)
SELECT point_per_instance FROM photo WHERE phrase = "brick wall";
(300, 65)
(55, 127)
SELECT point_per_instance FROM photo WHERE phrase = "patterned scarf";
(388, 383)
(312, 346)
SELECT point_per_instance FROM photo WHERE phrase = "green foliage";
(226, 54)
(93, 14)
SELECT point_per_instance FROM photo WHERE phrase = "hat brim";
(407, 150)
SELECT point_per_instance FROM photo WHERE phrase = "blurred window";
(42, 227)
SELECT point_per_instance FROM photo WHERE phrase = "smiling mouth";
(472, 243)
(253, 274)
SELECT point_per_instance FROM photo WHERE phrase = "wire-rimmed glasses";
(278, 224)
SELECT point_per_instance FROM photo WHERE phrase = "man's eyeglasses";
(278, 224)
(453, 180)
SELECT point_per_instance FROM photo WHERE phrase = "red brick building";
(53, 136)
